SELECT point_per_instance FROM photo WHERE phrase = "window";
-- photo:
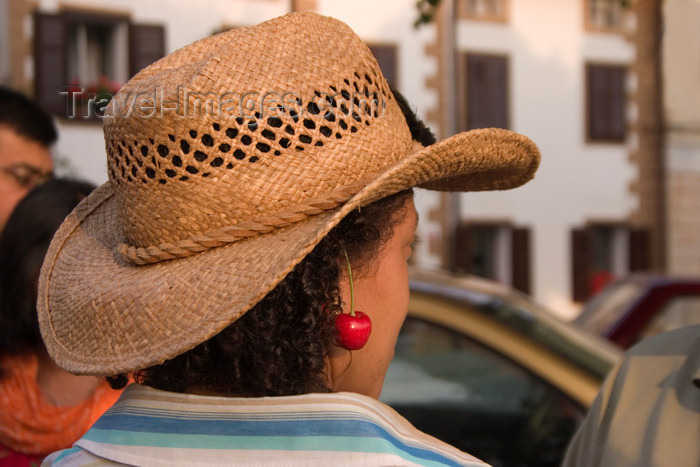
(487, 95)
(472, 397)
(603, 252)
(94, 57)
(604, 15)
(89, 56)
(606, 98)
(485, 10)
(683, 310)
(496, 251)
(386, 58)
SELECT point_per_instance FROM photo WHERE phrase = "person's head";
(27, 133)
(247, 358)
(214, 260)
(283, 344)
(23, 244)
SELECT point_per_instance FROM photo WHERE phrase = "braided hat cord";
(232, 234)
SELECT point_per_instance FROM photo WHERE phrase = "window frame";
(610, 100)
(143, 44)
(497, 97)
(635, 247)
(84, 20)
(512, 263)
(502, 16)
(389, 67)
(592, 25)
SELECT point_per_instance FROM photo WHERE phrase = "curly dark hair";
(23, 245)
(279, 347)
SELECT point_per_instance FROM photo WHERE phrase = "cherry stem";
(352, 291)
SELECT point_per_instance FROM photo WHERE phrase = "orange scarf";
(31, 425)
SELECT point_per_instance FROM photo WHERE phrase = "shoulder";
(359, 429)
(401, 432)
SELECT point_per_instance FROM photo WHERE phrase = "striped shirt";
(151, 427)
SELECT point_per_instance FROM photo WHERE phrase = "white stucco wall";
(548, 48)
(577, 181)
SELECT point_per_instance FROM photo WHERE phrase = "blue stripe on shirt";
(126, 429)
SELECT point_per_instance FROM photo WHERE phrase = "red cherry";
(353, 331)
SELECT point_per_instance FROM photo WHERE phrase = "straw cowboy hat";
(228, 161)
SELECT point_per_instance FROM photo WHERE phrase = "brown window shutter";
(639, 255)
(581, 264)
(607, 102)
(386, 58)
(464, 245)
(520, 261)
(50, 62)
(487, 91)
(146, 45)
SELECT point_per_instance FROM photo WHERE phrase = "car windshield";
(522, 314)
(608, 306)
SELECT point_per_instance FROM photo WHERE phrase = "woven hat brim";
(100, 315)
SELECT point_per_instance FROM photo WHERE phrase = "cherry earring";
(355, 327)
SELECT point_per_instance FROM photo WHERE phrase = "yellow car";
(486, 369)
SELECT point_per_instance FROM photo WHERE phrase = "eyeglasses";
(26, 175)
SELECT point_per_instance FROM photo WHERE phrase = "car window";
(519, 313)
(608, 306)
(683, 310)
(450, 386)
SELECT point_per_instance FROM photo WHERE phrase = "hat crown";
(249, 126)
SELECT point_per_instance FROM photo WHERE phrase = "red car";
(639, 306)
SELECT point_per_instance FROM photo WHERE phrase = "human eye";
(21, 175)
(415, 241)
(26, 176)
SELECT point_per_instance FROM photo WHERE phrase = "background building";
(619, 185)
(681, 105)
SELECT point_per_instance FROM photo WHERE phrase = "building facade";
(570, 74)
(681, 99)
(561, 73)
